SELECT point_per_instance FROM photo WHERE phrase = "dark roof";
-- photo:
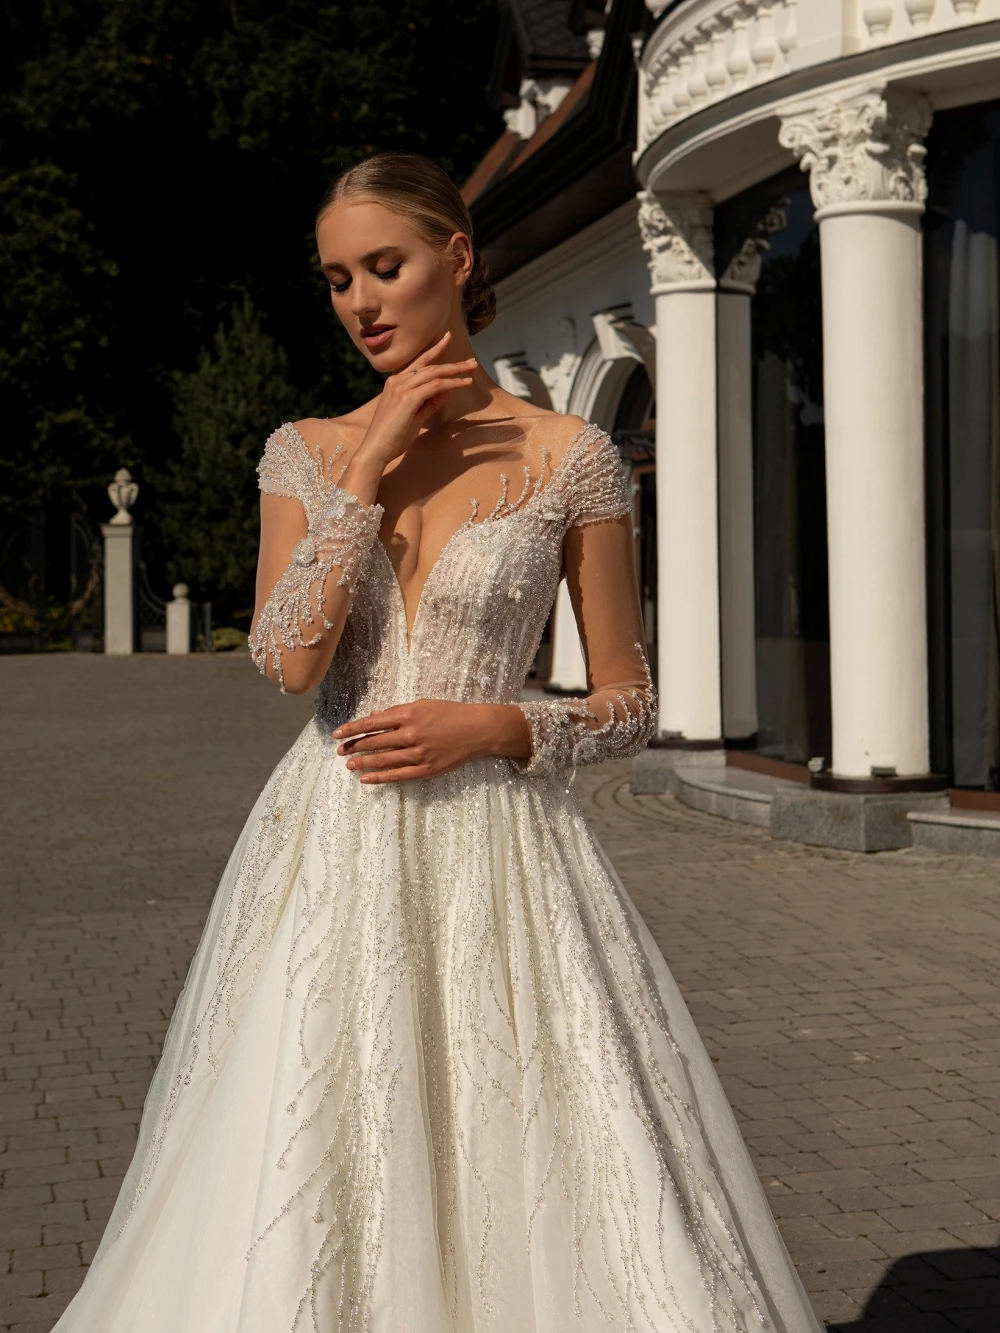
(542, 31)
(527, 196)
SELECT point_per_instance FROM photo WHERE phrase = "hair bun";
(479, 300)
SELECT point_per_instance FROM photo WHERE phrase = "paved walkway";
(852, 1003)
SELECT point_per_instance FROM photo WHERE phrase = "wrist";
(362, 475)
(507, 732)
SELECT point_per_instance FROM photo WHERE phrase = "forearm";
(614, 722)
(298, 624)
(297, 665)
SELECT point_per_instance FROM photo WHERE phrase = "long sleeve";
(305, 581)
(619, 715)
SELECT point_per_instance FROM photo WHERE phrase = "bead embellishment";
(467, 1007)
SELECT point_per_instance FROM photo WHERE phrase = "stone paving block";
(852, 1003)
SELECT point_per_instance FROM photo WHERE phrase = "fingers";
(438, 388)
(383, 740)
(384, 720)
(397, 775)
(378, 762)
(410, 379)
(432, 351)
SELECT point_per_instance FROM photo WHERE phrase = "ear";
(460, 257)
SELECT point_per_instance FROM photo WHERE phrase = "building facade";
(758, 243)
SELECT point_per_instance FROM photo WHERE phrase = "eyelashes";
(386, 275)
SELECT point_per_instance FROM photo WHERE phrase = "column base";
(654, 770)
(852, 821)
(884, 786)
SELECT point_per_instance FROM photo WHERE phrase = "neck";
(477, 396)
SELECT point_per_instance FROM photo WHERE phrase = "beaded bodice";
(485, 602)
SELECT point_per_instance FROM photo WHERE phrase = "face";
(393, 291)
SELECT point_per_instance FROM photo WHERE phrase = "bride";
(429, 1072)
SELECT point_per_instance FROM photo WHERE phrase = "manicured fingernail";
(338, 733)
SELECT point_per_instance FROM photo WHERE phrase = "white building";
(778, 221)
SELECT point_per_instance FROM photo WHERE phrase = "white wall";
(599, 268)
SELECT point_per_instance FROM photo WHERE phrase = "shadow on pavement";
(940, 1291)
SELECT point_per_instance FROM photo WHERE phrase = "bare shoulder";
(330, 435)
(557, 432)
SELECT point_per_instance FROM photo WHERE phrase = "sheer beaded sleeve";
(619, 715)
(340, 533)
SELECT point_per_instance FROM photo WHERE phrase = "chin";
(397, 356)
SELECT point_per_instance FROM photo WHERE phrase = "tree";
(159, 159)
(225, 407)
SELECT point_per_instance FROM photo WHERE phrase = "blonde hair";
(417, 189)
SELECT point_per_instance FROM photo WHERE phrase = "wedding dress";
(429, 1073)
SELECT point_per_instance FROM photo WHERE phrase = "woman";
(429, 1072)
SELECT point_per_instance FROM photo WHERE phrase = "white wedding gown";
(429, 1072)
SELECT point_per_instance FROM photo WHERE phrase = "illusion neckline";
(541, 488)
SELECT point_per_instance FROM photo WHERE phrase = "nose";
(364, 298)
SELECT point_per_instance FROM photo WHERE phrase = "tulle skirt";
(430, 1074)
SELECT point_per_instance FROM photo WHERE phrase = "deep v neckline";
(538, 490)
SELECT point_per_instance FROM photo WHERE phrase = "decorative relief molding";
(862, 150)
(743, 270)
(559, 371)
(622, 338)
(677, 236)
(515, 375)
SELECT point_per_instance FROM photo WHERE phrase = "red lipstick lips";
(377, 335)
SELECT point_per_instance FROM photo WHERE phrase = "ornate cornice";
(677, 236)
(862, 151)
(743, 270)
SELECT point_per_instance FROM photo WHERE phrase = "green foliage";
(225, 408)
(159, 159)
(53, 348)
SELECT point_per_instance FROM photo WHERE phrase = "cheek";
(422, 289)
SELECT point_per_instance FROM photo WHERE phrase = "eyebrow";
(369, 258)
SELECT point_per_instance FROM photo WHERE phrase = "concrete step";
(732, 793)
(956, 832)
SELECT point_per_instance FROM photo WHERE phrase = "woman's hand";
(430, 736)
(408, 398)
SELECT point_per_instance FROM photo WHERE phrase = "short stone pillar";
(179, 622)
(119, 568)
(865, 157)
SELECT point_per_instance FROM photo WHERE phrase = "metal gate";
(23, 596)
(86, 582)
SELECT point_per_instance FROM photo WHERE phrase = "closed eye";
(384, 275)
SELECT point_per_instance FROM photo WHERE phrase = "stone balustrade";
(704, 51)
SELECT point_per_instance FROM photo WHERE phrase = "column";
(568, 670)
(865, 157)
(677, 236)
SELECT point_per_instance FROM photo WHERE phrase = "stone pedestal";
(857, 823)
(119, 594)
(654, 770)
(179, 622)
(677, 235)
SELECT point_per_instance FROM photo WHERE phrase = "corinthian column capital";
(864, 152)
(677, 236)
